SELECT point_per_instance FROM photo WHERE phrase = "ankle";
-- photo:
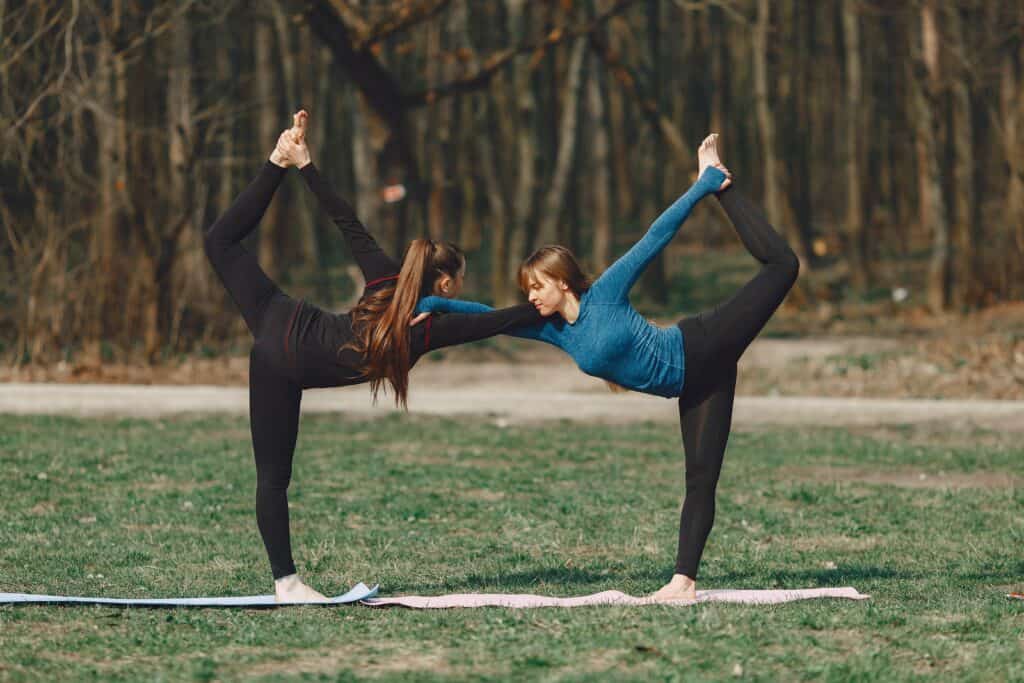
(683, 580)
(287, 582)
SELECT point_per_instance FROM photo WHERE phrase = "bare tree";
(600, 191)
(925, 84)
(552, 206)
(855, 228)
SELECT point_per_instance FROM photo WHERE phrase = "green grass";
(164, 508)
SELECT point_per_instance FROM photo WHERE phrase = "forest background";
(885, 139)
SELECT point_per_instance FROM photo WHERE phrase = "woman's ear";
(562, 285)
(444, 285)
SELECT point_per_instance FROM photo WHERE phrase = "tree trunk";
(438, 130)
(526, 112)
(656, 278)
(717, 26)
(300, 212)
(774, 203)
(553, 202)
(501, 284)
(364, 166)
(963, 168)
(1011, 235)
(269, 127)
(855, 230)
(765, 121)
(933, 206)
(600, 191)
(496, 115)
(469, 222)
(624, 199)
(187, 194)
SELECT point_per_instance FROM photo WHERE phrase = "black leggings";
(713, 343)
(274, 391)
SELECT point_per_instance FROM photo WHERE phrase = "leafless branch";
(493, 63)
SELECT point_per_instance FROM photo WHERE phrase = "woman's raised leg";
(247, 284)
(734, 324)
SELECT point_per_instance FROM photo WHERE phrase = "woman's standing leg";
(274, 403)
(705, 427)
(705, 420)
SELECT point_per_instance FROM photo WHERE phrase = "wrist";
(711, 179)
(278, 160)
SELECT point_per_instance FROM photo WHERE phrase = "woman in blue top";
(596, 325)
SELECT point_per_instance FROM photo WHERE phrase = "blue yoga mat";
(358, 592)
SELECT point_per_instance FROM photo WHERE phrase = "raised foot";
(707, 155)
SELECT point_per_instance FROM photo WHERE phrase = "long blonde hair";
(558, 263)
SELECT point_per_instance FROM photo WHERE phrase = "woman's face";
(546, 293)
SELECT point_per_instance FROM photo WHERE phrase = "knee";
(701, 479)
(273, 482)
(790, 265)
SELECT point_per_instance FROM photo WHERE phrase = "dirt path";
(988, 366)
(512, 393)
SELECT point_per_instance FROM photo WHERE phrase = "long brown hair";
(558, 263)
(380, 322)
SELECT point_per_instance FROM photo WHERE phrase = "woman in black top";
(298, 346)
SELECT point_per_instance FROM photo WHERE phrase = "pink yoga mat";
(519, 601)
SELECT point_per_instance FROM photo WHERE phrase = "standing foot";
(291, 589)
(681, 587)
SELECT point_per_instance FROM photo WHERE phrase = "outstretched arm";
(615, 283)
(440, 304)
(371, 259)
(376, 266)
(534, 326)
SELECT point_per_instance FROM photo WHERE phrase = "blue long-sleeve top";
(610, 339)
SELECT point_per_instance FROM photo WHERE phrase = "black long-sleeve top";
(316, 338)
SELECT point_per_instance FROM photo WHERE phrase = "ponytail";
(380, 322)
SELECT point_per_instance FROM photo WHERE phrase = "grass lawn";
(931, 525)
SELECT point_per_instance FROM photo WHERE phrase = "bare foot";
(290, 589)
(299, 120)
(707, 155)
(681, 587)
(291, 146)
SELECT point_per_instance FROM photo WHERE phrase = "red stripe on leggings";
(379, 280)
